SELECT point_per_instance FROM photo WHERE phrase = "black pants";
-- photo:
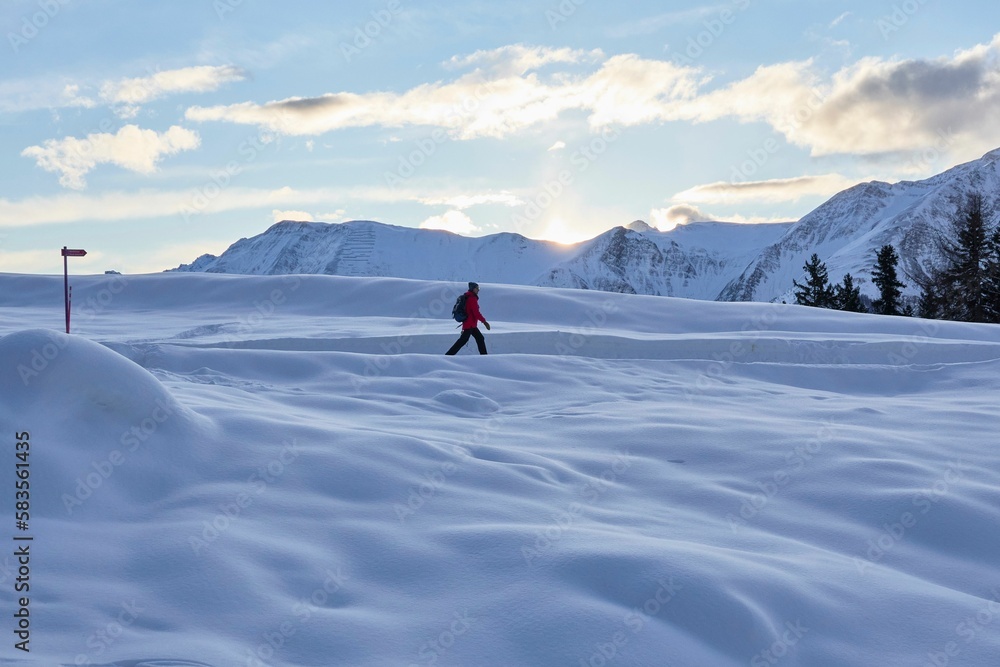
(464, 338)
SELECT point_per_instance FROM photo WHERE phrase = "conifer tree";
(847, 296)
(992, 291)
(967, 255)
(929, 306)
(967, 287)
(817, 291)
(889, 286)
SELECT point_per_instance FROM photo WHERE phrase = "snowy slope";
(365, 248)
(694, 261)
(847, 231)
(285, 470)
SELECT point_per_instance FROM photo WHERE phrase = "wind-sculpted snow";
(624, 480)
(100, 411)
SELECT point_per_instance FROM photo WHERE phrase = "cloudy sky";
(149, 133)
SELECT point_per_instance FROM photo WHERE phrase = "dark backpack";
(458, 310)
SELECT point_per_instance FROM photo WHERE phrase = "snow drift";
(624, 480)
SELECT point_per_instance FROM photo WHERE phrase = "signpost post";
(69, 252)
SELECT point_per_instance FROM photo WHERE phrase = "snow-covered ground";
(234, 470)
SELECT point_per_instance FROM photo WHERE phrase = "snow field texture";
(233, 470)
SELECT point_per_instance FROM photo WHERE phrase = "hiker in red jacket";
(470, 327)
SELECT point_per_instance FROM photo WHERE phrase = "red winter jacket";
(472, 315)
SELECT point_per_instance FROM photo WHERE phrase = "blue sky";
(152, 132)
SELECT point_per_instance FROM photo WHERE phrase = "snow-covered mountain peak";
(702, 260)
(640, 226)
(693, 263)
(846, 231)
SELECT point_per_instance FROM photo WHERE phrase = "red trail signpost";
(67, 291)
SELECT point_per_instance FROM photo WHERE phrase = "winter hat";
(473, 286)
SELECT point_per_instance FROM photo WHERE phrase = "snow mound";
(97, 413)
(467, 402)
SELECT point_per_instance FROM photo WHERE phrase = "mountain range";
(700, 260)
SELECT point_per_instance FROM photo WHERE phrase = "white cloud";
(201, 79)
(19, 95)
(340, 215)
(629, 90)
(456, 222)
(299, 216)
(652, 24)
(131, 148)
(874, 106)
(477, 104)
(186, 205)
(518, 59)
(840, 19)
(125, 95)
(189, 205)
(775, 190)
(72, 98)
(26, 261)
(468, 201)
(666, 219)
(162, 257)
(558, 146)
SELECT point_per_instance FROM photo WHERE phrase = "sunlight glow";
(560, 231)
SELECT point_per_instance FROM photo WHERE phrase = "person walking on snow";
(470, 327)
